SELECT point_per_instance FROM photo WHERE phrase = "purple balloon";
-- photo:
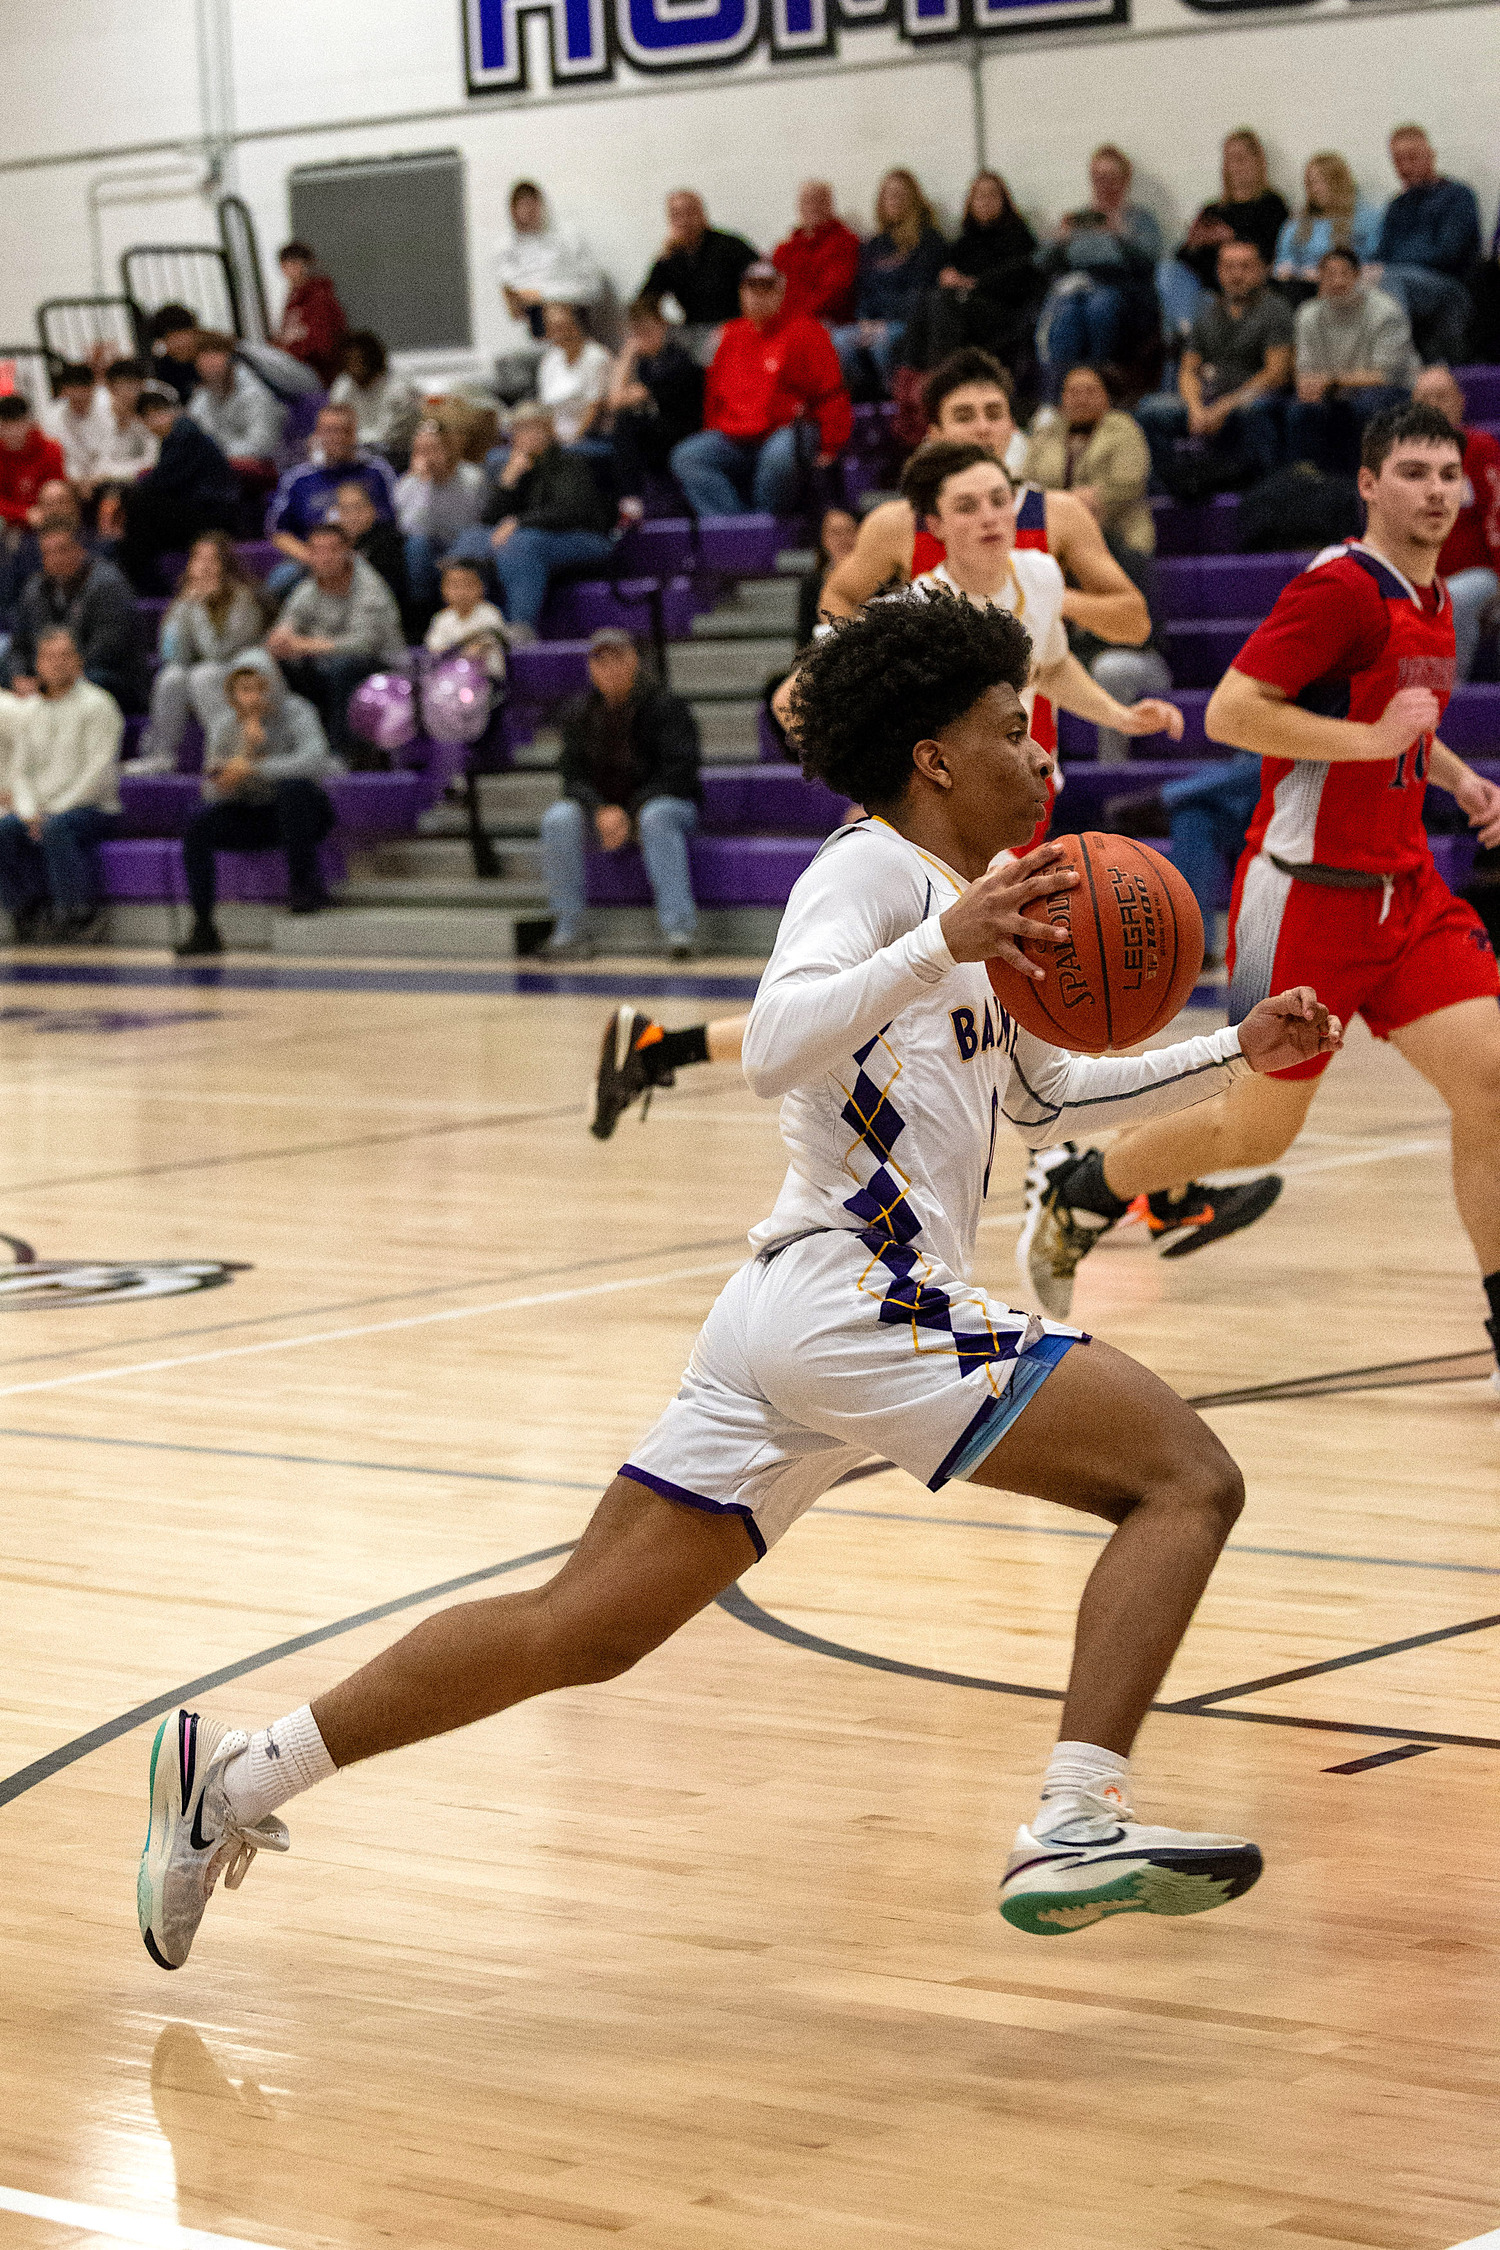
(456, 700)
(383, 711)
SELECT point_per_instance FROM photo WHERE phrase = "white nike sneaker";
(191, 1837)
(1055, 1238)
(1096, 1859)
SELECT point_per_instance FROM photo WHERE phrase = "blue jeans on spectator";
(1210, 811)
(1471, 593)
(1179, 293)
(1084, 327)
(1329, 433)
(282, 577)
(854, 353)
(63, 868)
(1251, 437)
(423, 555)
(527, 562)
(725, 476)
(1434, 303)
(664, 825)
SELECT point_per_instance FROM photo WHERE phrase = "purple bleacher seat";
(1481, 389)
(1471, 723)
(148, 870)
(1207, 586)
(1201, 650)
(1089, 788)
(767, 800)
(158, 804)
(659, 547)
(258, 556)
(153, 608)
(140, 868)
(1078, 739)
(1453, 857)
(549, 670)
(580, 607)
(1205, 530)
(376, 804)
(727, 871)
(771, 752)
(861, 474)
(742, 546)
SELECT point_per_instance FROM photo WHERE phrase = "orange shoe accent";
(649, 1037)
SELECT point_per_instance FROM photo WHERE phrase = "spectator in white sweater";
(573, 375)
(64, 764)
(439, 497)
(129, 447)
(544, 262)
(240, 413)
(468, 624)
(79, 420)
(216, 616)
(386, 406)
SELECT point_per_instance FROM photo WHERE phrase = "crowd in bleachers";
(1247, 358)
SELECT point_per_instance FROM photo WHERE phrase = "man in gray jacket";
(337, 627)
(266, 762)
(1355, 358)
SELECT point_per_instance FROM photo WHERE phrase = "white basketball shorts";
(828, 1349)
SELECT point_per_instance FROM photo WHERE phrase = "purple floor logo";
(34, 1284)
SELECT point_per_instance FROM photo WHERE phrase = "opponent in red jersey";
(1341, 691)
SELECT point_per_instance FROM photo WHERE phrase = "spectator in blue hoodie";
(308, 495)
(1429, 247)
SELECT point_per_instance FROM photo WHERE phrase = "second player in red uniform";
(1341, 691)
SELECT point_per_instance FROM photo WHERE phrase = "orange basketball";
(1133, 955)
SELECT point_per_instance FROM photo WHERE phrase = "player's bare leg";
(1255, 1122)
(1106, 1436)
(638, 1055)
(643, 1567)
(1457, 1050)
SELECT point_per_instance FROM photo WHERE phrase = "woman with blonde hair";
(1334, 216)
(897, 267)
(216, 616)
(1248, 210)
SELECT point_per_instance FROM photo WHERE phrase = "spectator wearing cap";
(544, 262)
(241, 414)
(819, 259)
(548, 514)
(305, 495)
(78, 420)
(336, 627)
(63, 743)
(191, 489)
(89, 598)
(312, 326)
(1469, 564)
(1354, 359)
(629, 773)
(174, 340)
(699, 267)
(774, 403)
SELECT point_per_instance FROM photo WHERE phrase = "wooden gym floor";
(707, 1959)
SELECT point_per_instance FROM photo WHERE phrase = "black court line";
(306, 1460)
(42, 1769)
(739, 1605)
(1383, 1758)
(1446, 1367)
(1331, 1664)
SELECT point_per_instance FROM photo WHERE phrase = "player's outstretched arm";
(1073, 689)
(1102, 597)
(1054, 1096)
(1250, 714)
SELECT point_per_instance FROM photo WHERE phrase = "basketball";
(1134, 950)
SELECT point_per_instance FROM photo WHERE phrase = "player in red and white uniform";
(1341, 691)
(967, 399)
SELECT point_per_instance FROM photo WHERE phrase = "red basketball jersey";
(926, 552)
(1342, 639)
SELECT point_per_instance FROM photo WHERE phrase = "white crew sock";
(1078, 1767)
(285, 1758)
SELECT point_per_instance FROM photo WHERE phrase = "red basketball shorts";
(1428, 952)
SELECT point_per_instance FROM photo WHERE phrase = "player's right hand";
(987, 921)
(1411, 713)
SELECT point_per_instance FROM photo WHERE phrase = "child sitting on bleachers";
(468, 624)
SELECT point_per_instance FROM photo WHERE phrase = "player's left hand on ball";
(1152, 716)
(1289, 1028)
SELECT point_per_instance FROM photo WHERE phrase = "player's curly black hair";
(900, 672)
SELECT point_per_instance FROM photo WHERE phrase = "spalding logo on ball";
(1132, 955)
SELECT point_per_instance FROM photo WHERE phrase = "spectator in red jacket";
(820, 258)
(28, 460)
(313, 326)
(1470, 560)
(774, 404)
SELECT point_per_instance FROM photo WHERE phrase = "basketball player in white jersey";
(854, 1328)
